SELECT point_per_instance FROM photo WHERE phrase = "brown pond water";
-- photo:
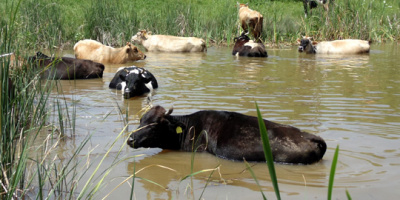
(350, 101)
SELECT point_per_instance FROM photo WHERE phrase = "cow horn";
(169, 111)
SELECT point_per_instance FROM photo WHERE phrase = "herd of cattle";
(225, 134)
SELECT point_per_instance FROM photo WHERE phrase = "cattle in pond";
(65, 68)
(226, 134)
(347, 46)
(96, 51)
(246, 47)
(168, 43)
(133, 81)
(250, 20)
(313, 4)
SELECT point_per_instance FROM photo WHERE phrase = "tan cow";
(250, 19)
(168, 43)
(347, 46)
(97, 52)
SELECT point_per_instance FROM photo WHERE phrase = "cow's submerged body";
(230, 135)
(96, 51)
(133, 81)
(169, 43)
(66, 68)
(246, 47)
(346, 46)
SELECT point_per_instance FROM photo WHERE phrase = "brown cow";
(97, 52)
(250, 19)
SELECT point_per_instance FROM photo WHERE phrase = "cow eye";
(135, 50)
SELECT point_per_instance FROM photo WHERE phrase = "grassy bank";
(49, 23)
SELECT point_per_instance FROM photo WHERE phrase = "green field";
(49, 23)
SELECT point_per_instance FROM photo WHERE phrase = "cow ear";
(169, 112)
(298, 41)
(149, 33)
(128, 50)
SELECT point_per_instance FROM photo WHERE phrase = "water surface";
(352, 101)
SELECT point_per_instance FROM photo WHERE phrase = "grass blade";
(268, 152)
(332, 174)
(255, 178)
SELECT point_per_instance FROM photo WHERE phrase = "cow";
(347, 46)
(313, 4)
(97, 52)
(246, 47)
(250, 19)
(168, 43)
(228, 135)
(65, 68)
(133, 81)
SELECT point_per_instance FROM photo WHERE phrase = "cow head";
(307, 44)
(157, 129)
(140, 37)
(133, 52)
(136, 82)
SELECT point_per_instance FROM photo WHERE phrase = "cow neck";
(313, 48)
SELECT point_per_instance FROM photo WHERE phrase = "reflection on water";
(351, 101)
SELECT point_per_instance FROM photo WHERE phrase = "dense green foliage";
(49, 23)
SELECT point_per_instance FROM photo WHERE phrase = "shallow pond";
(350, 101)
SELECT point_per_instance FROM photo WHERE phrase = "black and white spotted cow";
(246, 47)
(133, 81)
(313, 4)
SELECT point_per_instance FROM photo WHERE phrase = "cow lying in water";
(230, 135)
(133, 81)
(168, 43)
(347, 46)
(96, 51)
(65, 68)
(246, 47)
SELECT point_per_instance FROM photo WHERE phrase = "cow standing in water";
(250, 20)
(347, 46)
(133, 81)
(96, 51)
(225, 134)
(246, 47)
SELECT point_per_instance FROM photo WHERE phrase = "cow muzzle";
(130, 142)
(301, 49)
(127, 93)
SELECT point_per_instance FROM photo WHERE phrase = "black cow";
(313, 4)
(246, 47)
(66, 68)
(230, 135)
(133, 81)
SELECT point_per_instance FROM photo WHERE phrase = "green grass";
(60, 24)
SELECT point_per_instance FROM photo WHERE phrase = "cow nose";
(144, 56)
(301, 49)
(127, 93)
(130, 142)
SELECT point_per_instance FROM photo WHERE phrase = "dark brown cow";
(225, 134)
(65, 68)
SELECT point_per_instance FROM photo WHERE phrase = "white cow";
(347, 46)
(168, 43)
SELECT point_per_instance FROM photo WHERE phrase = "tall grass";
(49, 24)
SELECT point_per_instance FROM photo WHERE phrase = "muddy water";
(350, 101)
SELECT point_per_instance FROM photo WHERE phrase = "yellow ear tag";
(178, 130)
